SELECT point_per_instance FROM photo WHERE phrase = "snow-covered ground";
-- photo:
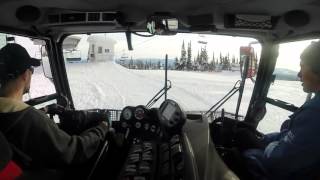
(109, 85)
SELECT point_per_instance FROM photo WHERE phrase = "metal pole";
(166, 77)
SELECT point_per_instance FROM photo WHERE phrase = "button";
(146, 126)
(153, 128)
(138, 125)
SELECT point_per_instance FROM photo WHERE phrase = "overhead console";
(156, 147)
(75, 17)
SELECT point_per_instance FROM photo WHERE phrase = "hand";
(248, 139)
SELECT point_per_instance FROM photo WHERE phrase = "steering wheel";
(227, 132)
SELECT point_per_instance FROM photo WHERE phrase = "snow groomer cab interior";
(174, 79)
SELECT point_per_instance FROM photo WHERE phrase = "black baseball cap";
(14, 60)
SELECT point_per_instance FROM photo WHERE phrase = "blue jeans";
(253, 160)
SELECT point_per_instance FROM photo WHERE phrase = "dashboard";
(156, 147)
(141, 123)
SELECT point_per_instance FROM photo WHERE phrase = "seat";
(8, 168)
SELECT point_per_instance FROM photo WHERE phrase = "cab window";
(41, 85)
(286, 86)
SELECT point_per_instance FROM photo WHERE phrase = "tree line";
(188, 61)
(201, 61)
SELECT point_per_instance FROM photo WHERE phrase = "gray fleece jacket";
(35, 134)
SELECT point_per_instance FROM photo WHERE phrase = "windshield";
(103, 73)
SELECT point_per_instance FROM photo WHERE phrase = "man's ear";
(24, 76)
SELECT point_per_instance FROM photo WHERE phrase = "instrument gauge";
(139, 113)
(127, 113)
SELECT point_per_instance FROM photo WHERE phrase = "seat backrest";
(8, 168)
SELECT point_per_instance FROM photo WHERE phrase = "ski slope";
(111, 86)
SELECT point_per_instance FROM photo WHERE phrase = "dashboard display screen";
(168, 111)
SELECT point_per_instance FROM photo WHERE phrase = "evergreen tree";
(189, 56)
(197, 62)
(204, 59)
(220, 59)
(226, 63)
(176, 63)
(213, 62)
(183, 58)
(233, 59)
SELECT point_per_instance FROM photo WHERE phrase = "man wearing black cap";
(294, 152)
(29, 130)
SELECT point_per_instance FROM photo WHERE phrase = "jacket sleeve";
(49, 145)
(298, 149)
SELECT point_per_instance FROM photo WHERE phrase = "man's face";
(310, 80)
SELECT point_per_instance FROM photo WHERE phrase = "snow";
(110, 86)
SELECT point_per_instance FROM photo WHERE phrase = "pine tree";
(226, 63)
(233, 59)
(176, 63)
(189, 56)
(197, 61)
(213, 63)
(183, 58)
(204, 58)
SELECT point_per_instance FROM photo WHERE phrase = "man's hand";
(74, 122)
(248, 139)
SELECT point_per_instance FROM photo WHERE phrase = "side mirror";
(45, 63)
(248, 62)
(162, 25)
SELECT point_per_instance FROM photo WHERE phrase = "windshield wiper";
(159, 94)
(216, 106)
(165, 89)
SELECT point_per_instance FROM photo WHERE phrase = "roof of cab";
(290, 18)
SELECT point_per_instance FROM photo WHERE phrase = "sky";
(159, 46)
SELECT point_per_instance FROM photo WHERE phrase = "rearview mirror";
(45, 63)
(162, 25)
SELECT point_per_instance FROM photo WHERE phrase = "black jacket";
(36, 135)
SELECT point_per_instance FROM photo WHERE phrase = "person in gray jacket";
(31, 131)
